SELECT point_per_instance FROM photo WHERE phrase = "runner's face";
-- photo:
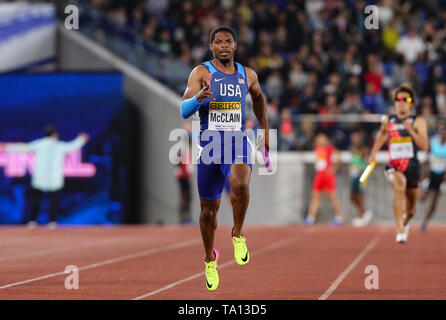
(223, 46)
(321, 141)
(356, 140)
(402, 106)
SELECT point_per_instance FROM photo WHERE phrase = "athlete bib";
(321, 164)
(401, 148)
(225, 116)
(438, 164)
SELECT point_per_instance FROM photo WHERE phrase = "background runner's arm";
(258, 103)
(337, 158)
(381, 138)
(419, 133)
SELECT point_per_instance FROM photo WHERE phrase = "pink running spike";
(217, 255)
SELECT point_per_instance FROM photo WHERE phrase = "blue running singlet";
(222, 118)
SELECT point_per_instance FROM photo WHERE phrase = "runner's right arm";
(197, 90)
(381, 138)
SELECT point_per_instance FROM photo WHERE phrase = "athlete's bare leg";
(424, 195)
(358, 201)
(430, 213)
(208, 224)
(411, 203)
(314, 205)
(335, 203)
(398, 182)
(239, 181)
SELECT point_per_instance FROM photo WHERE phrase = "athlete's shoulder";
(418, 116)
(200, 69)
(198, 73)
(250, 72)
(251, 75)
(419, 120)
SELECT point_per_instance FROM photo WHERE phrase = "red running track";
(166, 263)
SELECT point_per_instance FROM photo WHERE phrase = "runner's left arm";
(258, 103)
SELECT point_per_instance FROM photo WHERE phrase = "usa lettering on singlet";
(227, 111)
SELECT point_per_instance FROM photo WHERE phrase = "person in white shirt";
(47, 176)
(410, 46)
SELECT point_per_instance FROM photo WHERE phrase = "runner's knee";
(399, 184)
(208, 211)
(240, 188)
(208, 214)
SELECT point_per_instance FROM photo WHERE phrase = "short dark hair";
(49, 130)
(222, 28)
(405, 87)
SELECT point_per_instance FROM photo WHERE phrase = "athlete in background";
(437, 164)
(358, 162)
(217, 89)
(405, 133)
(326, 163)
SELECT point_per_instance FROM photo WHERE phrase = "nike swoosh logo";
(208, 285)
(243, 259)
(216, 80)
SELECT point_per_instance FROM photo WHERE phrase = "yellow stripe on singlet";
(400, 139)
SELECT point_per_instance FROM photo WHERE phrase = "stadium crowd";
(312, 56)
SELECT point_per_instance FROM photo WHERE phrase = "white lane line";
(64, 249)
(174, 284)
(351, 266)
(10, 242)
(110, 261)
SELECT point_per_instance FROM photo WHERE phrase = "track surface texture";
(166, 263)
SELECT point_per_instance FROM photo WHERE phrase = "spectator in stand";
(440, 98)
(274, 85)
(371, 100)
(287, 135)
(314, 47)
(156, 7)
(352, 104)
(426, 109)
(305, 139)
(410, 45)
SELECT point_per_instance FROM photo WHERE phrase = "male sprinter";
(407, 134)
(218, 89)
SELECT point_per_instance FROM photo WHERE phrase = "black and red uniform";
(403, 151)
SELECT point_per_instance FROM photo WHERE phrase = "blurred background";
(120, 76)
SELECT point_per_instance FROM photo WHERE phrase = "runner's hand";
(204, 92)
(408, 126)
(84, 136)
